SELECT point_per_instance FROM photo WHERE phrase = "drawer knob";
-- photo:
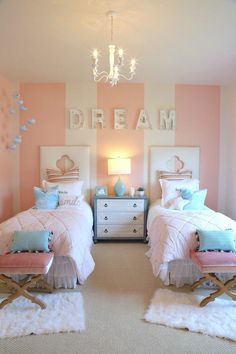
(135, 205)
(106, 218)
(134, 218)
(134, 231)
(105, 205)
(105, 231)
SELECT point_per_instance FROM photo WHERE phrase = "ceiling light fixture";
(116, 61)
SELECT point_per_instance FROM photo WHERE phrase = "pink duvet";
(72, 233)
(171, 233)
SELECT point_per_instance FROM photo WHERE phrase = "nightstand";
(120, 218)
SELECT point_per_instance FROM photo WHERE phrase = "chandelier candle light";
(119, 166)
(116, 61)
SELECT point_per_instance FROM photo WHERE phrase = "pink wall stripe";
(45, 102)
(6, 156)
(198, 124)
(126, 142)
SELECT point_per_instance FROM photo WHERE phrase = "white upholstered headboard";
(160, 160)
(80, 156)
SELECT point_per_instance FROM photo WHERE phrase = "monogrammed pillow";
(70, 201)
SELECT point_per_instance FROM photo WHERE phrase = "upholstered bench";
(33, 265)
(210, 263)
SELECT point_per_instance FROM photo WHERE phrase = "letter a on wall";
(143, 121)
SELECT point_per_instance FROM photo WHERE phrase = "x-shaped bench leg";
(198, 282)
(21, 289)
(223, 287)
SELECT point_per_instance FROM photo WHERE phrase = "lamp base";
(119, 188)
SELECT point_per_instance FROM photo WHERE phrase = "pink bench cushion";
(26, 263)
(215, 262)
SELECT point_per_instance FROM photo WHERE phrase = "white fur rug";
(64, 313)
(182, 310)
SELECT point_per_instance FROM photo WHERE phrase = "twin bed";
(171, 230)
(71, 223)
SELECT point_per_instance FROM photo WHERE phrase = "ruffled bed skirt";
(60, 275)
(184, 272)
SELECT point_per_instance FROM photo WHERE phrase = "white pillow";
(178, 203)
(66, 188)
(171, 188)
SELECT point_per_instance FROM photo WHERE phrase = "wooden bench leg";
(223, 287)
(21, 289)
(198, 282)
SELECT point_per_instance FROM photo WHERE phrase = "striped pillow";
(63, 176)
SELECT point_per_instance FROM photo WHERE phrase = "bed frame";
(80, 155)
(161, 159)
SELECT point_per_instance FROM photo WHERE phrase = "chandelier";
(116, 61)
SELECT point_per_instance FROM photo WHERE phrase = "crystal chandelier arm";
(100, 76)
(126, 77)
(132, 67)
(132, 71)
(102, 73)
(96, 74)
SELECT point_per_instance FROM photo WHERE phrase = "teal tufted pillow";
(31, 241)
(221, 240)
(197, 202)
(46, 200)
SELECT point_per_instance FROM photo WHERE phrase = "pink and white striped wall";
(198, 124)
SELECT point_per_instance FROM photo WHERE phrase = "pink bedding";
(171, 233)
(72, 233)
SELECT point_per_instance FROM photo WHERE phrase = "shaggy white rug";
(64, 313)
(179, 310)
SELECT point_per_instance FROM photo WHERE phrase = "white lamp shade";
(119, 166)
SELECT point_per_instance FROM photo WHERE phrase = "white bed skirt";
(183, 272)
(179, 273)
(62, 273)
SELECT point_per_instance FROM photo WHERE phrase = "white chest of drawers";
(120, 218)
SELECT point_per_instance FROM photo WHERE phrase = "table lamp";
(119, 166)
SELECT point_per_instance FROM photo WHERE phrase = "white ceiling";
(175, 41)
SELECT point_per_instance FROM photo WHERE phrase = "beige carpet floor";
(116, 297)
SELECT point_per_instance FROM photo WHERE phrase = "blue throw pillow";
(31, 241)
(216, 240)
(186, 193)
(46, 200)
(198, 200)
